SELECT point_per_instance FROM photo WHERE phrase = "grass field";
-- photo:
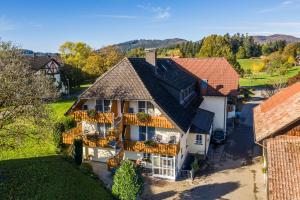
(262, 78)
(36, 171)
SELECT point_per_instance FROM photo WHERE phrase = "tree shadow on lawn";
(49, 177)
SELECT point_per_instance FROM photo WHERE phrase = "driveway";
(225, 177)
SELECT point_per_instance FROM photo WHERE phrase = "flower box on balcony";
(91, 113)
(150, 143)
(143, 117)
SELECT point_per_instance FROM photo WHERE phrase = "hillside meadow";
(262, 78)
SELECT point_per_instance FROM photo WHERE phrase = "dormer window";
(103, 105)
(186, 94)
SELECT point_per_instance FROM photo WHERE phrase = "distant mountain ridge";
(143, 43)
(271, 38)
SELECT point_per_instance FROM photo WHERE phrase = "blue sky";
(44, 25)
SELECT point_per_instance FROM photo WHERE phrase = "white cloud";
(5, 24)
(282, 6)
(159, 13)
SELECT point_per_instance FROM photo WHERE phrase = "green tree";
(128, 182)
(241, 53)
(75, 53)
(215, 46)
(23, 97)
(136, 53)
(100, 61)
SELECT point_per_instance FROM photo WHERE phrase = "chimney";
(150, 55)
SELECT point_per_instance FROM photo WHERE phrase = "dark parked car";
(218, 137)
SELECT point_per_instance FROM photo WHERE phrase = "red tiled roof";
(276, 113)
(283, 168)
(222, 78)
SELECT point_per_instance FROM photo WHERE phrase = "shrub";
(257, 67)
(128, 182)
(91, 113)
(78, 144)
(143, 117)
(150, 143)
(60, 127)
(86, 168)
(195, 165)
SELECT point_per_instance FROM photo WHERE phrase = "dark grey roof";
(134, 79)
(39, 62)
(182, 115)
(171, 73)
(202, 121)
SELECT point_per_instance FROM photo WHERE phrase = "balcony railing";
(69, 136)
(98, 117)
(154, 121)
(158, 148)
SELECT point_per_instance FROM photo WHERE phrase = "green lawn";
(36, 171)
(262, 78)
(49, 177)
(247, 63)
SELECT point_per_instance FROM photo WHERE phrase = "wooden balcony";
(115, 161)
(88, 140)
(154, 121)
(159, 148)
(99, 117)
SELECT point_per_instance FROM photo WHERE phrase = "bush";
(86, 168)
(60, 127)
(91, 113)
(150, 143)
(128, 182)
(257, 67)
(78, 144)
(143, 117)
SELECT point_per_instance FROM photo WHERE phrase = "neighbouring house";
(218, 83)
(146, 110)
(277, 130)
(50, 66)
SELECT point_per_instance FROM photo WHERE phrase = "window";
(130, 110)
(142, 106)
(186, 93)
(146, 133)
(172, 140)
(103, 105)
(198, 139)
(104, 128)
(146, 107)
(147, 156)
(85, 107)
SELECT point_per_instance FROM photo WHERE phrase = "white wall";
(183, 151)
(217, 105)
(196, 148)
(98, 154)
(131, 155)
(91, 103)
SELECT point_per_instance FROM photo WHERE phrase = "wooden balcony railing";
(154, 121)
(159, 148)
(115, 161)
(99, 117)
(69, 136)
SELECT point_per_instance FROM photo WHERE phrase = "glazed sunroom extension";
(144, 110)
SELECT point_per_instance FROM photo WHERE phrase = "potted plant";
(150, 143)
(91, 113)
(143, 117)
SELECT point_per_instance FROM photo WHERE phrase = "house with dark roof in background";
(49, 66)
(147, 110)
(277, 130)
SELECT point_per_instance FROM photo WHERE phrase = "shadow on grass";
(49, 177)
